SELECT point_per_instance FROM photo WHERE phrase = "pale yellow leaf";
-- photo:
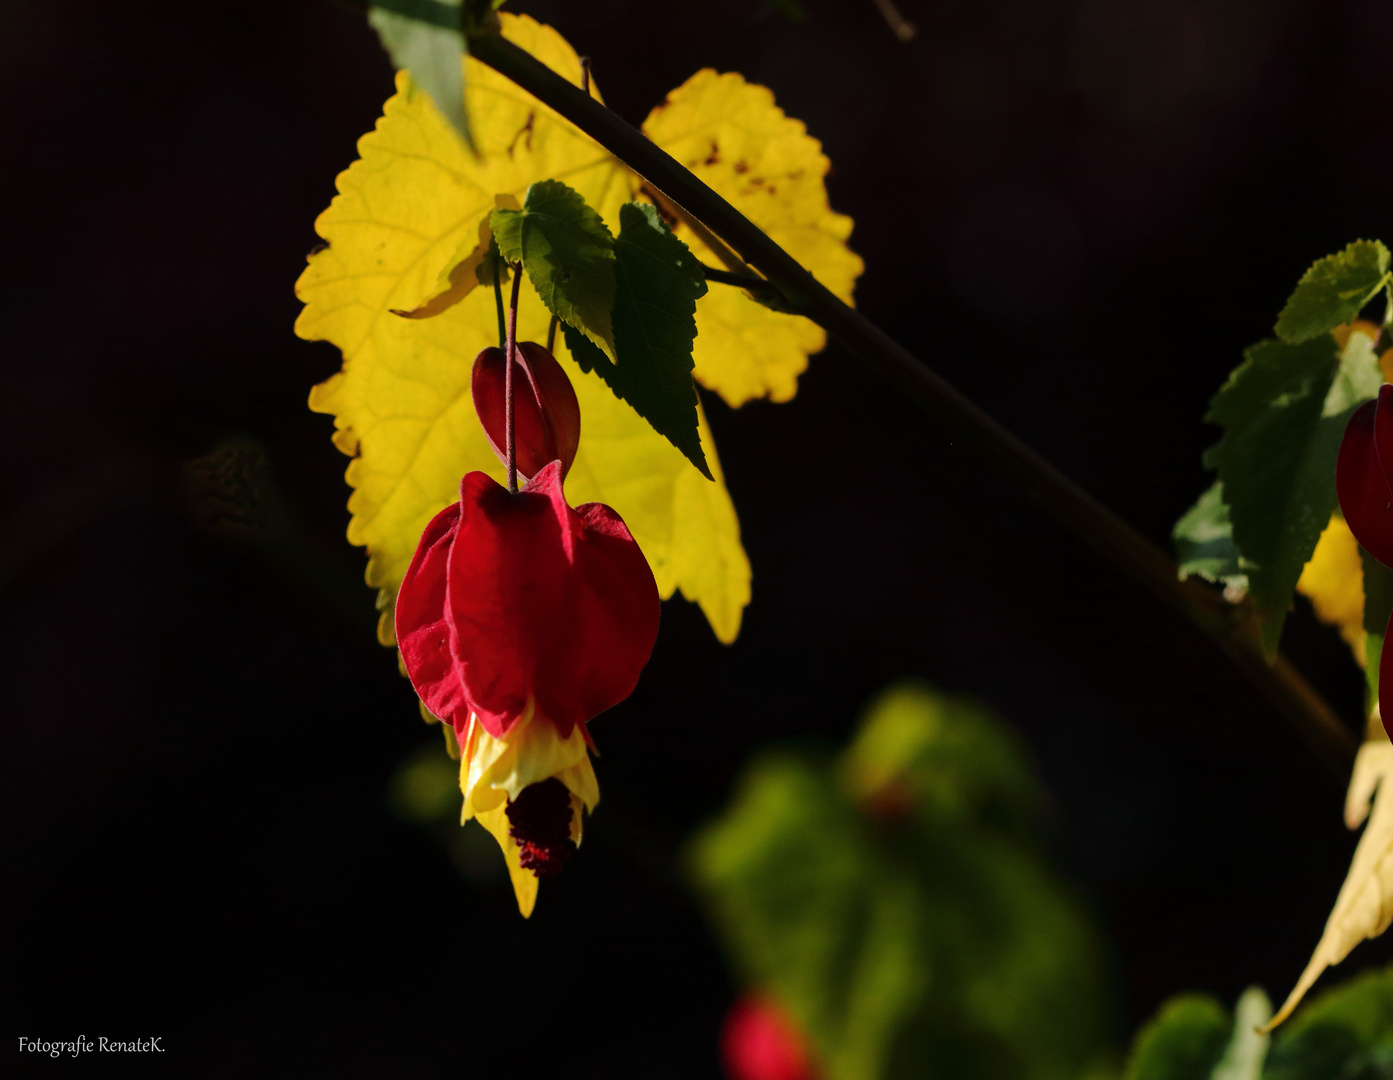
(1333, 580)
(1364, 906)
(732, 135)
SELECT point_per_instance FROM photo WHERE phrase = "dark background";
(1079, 212)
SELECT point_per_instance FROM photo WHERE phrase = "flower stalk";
(1231, 627)
(510, 353)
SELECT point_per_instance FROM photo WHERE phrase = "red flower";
(518, 598)
(760, 1042)
(1362, 474)
(519, 620)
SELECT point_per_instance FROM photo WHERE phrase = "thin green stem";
(510, 356)
(744, 281)
(958, 422)
(498, 298)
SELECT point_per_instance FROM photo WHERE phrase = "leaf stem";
(959, 422)
(498, 298)
(509, 359)
(551, 335)
(744, 281)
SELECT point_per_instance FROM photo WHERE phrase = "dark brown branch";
(958, 420)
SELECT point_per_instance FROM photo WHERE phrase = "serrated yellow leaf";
(408, 218)
(1364, 907)
(732, 135)
(1333, 580)
(402, 407)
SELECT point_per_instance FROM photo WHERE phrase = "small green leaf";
(657, 283)
(1185, 1040)
(1284, 411)
(423, 36)
(1333, 291)
(569, 256)
(1203, 540)
(953, 757)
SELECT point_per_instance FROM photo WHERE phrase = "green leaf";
(657, 283)
(1185, 1040)
(569, 256)
(1192, 1037)
(949, 755)
(1203, 540)
(1333, 291)
(1345, 1032)
(893, 905)
(1284, 411)
(424, 37)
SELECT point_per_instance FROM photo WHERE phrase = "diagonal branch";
(1232, 628)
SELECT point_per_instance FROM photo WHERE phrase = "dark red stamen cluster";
(540, 822)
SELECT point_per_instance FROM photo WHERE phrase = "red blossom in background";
(760, 1042)
(1366, 496)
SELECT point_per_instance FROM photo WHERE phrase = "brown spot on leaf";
(715, 154)
(525, 130)
(742, 166)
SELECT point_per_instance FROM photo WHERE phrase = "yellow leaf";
(1364, 906)
(732, 135)
(406, 210)
(1333, 580)
(404, 234)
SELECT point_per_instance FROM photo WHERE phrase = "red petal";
(619, 609)
(557, 400)
(1366, 500)
(759, 1042)
(545, 601)
(546, 415)
(423, 633)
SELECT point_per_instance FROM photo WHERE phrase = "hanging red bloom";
(1362, 481)
(519, 620)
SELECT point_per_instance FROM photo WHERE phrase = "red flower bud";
(759, 1042)
(546, 415)
(518, 600)
(1362, 474)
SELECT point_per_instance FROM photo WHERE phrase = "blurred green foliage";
(1193, 1037)
(1345, 1033)
(896, 901)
